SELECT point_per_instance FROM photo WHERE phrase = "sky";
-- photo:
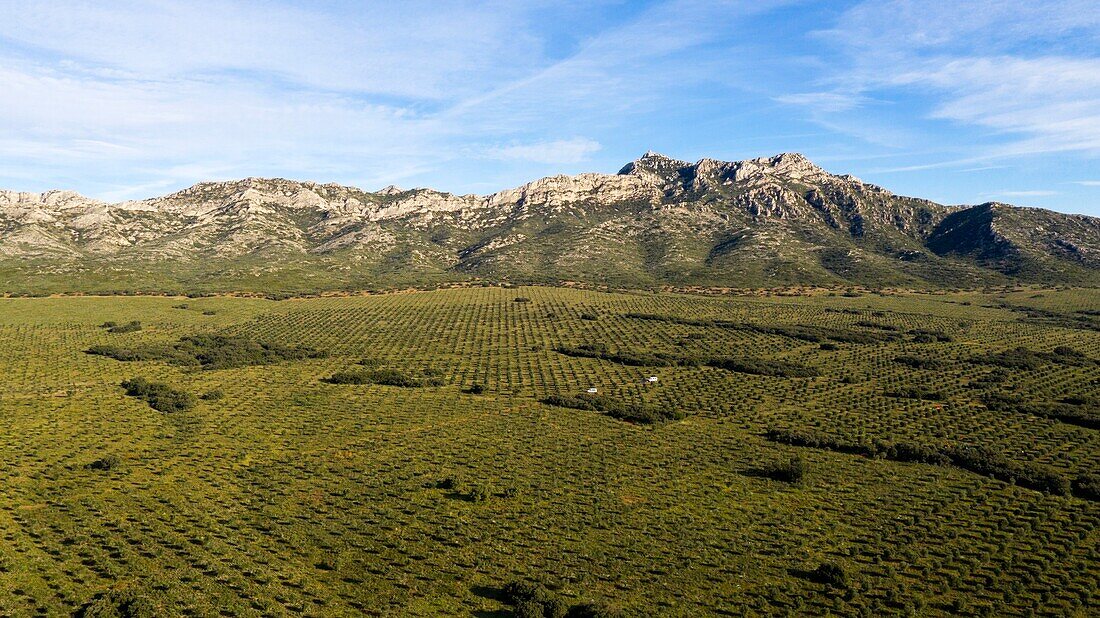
(960, 102)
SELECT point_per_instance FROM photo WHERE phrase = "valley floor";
(282, 493)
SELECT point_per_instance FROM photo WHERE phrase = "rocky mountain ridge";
(767, 221)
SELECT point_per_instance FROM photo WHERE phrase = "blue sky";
(959, 102)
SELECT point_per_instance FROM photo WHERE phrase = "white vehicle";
(593, 390)
(651, 379)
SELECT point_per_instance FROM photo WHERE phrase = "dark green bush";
(1023, 358)
(159, 396)
(105, 464)
(789, 471)
(919, 362)
(916, 392)
(1087, 486)
(831, 574)
(213, 395)
(121, 603)
(1079, 411)
(129, 327)
(534, 601)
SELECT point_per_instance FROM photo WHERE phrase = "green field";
(290, 495)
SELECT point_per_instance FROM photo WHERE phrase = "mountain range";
(765, 222)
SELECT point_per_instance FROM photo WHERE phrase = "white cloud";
(1052, 102)
(573, 150)
(415, 48)
(1088, 183)
(1025, 72)
(375, 93)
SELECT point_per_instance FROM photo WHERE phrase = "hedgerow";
(981, 460)
(1082, 411)
(750, 365)
(211, 352)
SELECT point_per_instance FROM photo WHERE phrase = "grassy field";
(279, 493)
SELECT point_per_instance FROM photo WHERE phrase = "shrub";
(534, 601)
(1023, 358)
(386, 377)
(120, 603)
(479, 493)
(521, 299)
(592, 610)
(789, 471)
(919, 362)
(916, 392)
(831, 574)
(115, 327)
(1073, 410)
(159, 396)
(105, 464)
(476, 388)
(213, 395)
(1087, 486)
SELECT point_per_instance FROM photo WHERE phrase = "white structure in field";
(593, 390)
(651, 379)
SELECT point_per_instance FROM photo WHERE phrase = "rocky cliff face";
(767, 221)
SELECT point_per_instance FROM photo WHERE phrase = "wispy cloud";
(1088, 183)
(348, 92)
(558, 151)
(974, 63)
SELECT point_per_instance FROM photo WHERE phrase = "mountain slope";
(762, 222)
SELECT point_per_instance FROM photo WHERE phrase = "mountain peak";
(652, 162)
